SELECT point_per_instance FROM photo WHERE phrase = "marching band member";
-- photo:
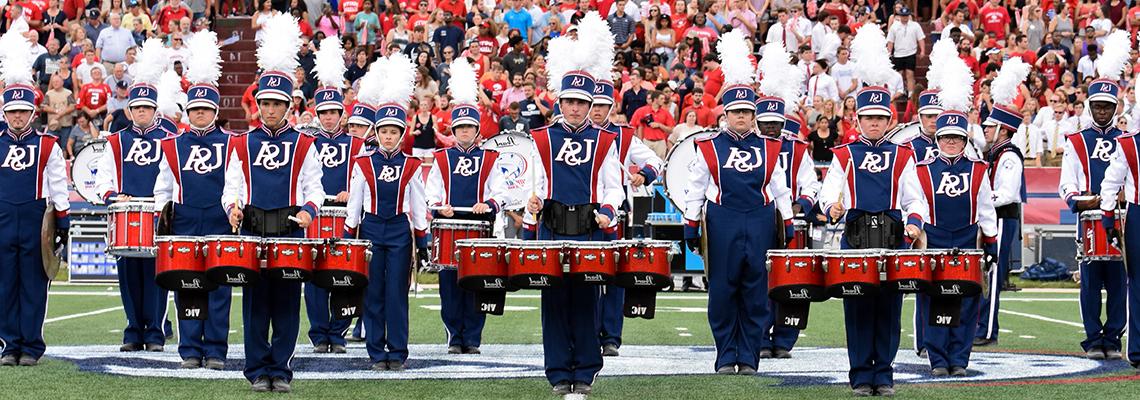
(464, 175)
(33, 176)
(871, 187)
(780, 79)
(195, 159)
(957, 188)
(1123, 172)
(273, 189)
(631, 151)
(1007, 179)
(130, 170)
(738, 183)
(928, 110)
(386, 205)
(334, 149)
(1087, 156)
(359, 125)
(576, 193)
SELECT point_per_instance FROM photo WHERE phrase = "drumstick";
(459, 209)
(294, 219)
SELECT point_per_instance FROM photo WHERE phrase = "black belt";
(566, 220)
(1009, 211)
(874, 231)
(270, 223)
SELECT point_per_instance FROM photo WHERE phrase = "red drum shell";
(233, 260)
(329, 223)
(644, 264)
(482, 265)
(180, 264)
(591, 263)
(130, 229)
(795, 276)
(1094, 244)
(800, 237)
(852, 273)
(343, 265)
(958, 274)
(535, 264)
(445, 232)
(289, 259)
(909, 271)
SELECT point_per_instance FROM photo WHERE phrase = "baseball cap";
(92, 13)
(904, 12)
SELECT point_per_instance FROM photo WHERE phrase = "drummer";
(925, 148)
(386, 205)
(129, 170)
(1122, 172)
(1087, 155)
(334, 149)
(463, 175)
(885, 209)
(33, 176)
(359, 126)
(198, 156)
(743, 200)
(272, 190)
(576, 194)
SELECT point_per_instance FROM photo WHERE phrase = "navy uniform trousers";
(872, 326)
(386, 297)
(461, 320)
(323, 329)
(208, 339)
(1110, 276)
(277, 305)
(1009, 235)
(949, 347)
(571, 350)
(1132, 246)
(144, 301)
(738, 243)
(610, 313)
(24, 288)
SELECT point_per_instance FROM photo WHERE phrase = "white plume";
(594, 31)
(869, 49)
(780, 78)
(399, 75)
(734, 61)
(1006, 85)
(957, 92)
(279, 44)
(463, 84)
(330, 65)
(558, 61)
(171, 98)
(372, 83)
(1115, 56)
(940, 56)
(15, 62)
(205, 63)
(152, 61)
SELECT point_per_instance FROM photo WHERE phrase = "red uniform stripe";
(444, 163)
(605, 141)
(1128, 146)
(712, 162)
(304, 142)
(170, 151)
(1082, 149)
(927, 183)
(489, 158)
(542, 142)
(117, 152)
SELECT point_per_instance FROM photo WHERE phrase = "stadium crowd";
(667, 69)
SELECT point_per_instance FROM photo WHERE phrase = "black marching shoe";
(380, 366)
(1112, 354)
(472, 350)
(280, 385)
(609, 350)
(940, 372)
(131, 347)
(958, 372)
(726, 370)
(338, 349)
(862, 391)
(191, 363)
(885, 391)
(983, 342)
(215, 364)
(454, 349)
(922, 353)
(10, 360)
(28, 361)
(766, 353)
(583, 388)
(742, 369)
(781, 353)
(261, 384)
(561, 388)
(321, 348)
(397, 366)
(1095, 353)
(154, 348)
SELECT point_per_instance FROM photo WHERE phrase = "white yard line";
(1042, 318)
(81, 315)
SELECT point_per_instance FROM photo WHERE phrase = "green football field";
(1036, 322)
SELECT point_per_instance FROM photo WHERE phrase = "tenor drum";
(800, 235)
(290, 259)
(233, 260)
(445, 232)
(482, 265)
(909, 271)
(795, 276)
(1094, 243)
(644, 264)
(852, 273)
(343, 264)
(591, 262)
(180, 264)
(130, 229)
(329, 223)
(535, 264)
(958, 273)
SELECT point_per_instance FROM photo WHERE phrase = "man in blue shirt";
(518, 18)
(447, 35)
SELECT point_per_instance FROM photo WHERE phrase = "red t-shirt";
(32, 11)
(94, 95)
(248, 99)
(418, 20)
(713, 81)
(349, 8)
(456, 7)
(971, 7)
(487, 45)
(496, 87)
(1052, 74)
(168, 14)
(994, 20)
(1132, 13)
(1028, 56)
(661, 116)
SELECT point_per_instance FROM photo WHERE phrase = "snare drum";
(329, 223)
(644, 264)
(180, 264)
(130, 229)
(909, 271)
(795, 276)
(958, 273)
(343, 264)
(534, 264)
(481, 264)
(290, 259)
(852, 273)
(233, 260)
(1094, 243)
(800, 237)
(444, 233)
(591, 262)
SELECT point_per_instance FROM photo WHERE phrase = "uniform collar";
(330, 135)
(1103, 132)
(203, 131)
(388, 154)
(950, 159)
(145, 130)
(922, 135)
(275, 132)
(741, 136)
(572, 129)
(18, 136)
(999, 145)
(466, 149)
(870, 142)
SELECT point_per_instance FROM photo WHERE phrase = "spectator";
(420, 17)
(118, 74)
(1062, 25)
(366, 23)
(635, 96)
(399, 35)
(328, 23)
(1018, 48)
(417, 44)
(958, 20)
(1086, 66)
(661, 38)
(249, 106)
(93, 96)
(703, 104)
(89, 63)
(1052, 67)
(513, 120)
(1033, 26)
(426, 88)
(822, 139)
(904, 40)
(456, 8)
(52, 24)
(424, 128)
(295, 5)
(265, 11)
(622, 26)
(714, 77)
(1053, 45)
(82, 133)
(687, 127)
(820, 84)
(995, 20)
(48, 63)
(742, 17)
(844, 73)
(59, 109)
(348, 10)
(654, 123)
(443, 69)
(117, 104)
(173, 11)
(117, 120)
(533, 109)
(177, 50)
(137, 17)
(113, 42)
(35, 49)
(358, 68)
(825, 39)
(448, 36)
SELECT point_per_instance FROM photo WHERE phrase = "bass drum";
(515, 153)
(677, 167)
(84, 167)
(905, 133)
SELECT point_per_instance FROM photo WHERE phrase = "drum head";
(515, 154)
(677, 168)
(83, 170)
